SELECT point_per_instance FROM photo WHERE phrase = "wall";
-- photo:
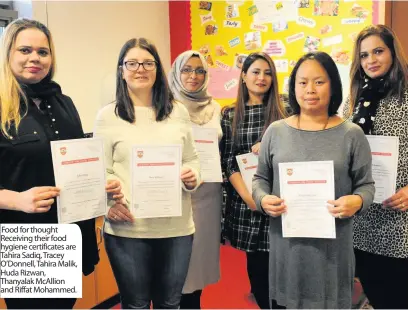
(88, 36)
(180, 25)
(181, 15)
(24, 8)
(381, 12)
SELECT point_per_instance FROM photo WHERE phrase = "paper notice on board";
(295, 37)
(304, 21)
(222, 65)
(282, 65)
(252, 40)
(326, 8)
(263, 28)
(239, 60)
(232, 24)
(222, 84)
(311, 44)
(270, 11)
(231, 84)
(333, 40)
(232, 11)
(234, 42)
(206, 18)
(274, 48)
(352, 21)
(237, 2)
(252, 10)
(279, 25)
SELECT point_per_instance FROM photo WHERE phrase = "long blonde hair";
(397, 74)
(11, 92)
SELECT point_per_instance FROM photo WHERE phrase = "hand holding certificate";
(119, 213)
(80, 174)
(306, 187)
(156, 183)
(345, 206)
(273, 205)
(189, 178)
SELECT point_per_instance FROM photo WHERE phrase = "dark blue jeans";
(149, 269)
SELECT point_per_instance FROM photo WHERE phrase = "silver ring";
(340, 216)
(115, 217)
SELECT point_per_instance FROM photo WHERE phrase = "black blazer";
(26, 162)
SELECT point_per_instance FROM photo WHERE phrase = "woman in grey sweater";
(313, 272)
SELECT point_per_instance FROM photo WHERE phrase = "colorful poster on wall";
(226, 32)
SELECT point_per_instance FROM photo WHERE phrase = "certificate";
(306, 187)
(384, 167)
(156, 183)
(247, 164)
(79, 171)
(206, 142)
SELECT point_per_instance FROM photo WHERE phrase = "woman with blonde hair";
(379, 105)
(243, 125)
(33, 112)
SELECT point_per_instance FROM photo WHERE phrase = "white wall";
(24, 8)
(88, 36)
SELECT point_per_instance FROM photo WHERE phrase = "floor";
(233, 289)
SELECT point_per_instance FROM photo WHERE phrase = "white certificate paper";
(79, 171)
(306, 187)
(206, 142)
(384, 167)
(156, 183)
(247, 164)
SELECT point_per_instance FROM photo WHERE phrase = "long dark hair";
(274, 109)
(162, 97)
(336, 89)
(397, 77)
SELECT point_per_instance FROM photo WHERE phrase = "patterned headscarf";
(199, 103)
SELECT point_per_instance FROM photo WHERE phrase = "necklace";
(325, 125)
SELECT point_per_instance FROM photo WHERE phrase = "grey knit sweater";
(306, 272)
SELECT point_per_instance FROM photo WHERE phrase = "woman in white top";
(188, 81)
(149, 257)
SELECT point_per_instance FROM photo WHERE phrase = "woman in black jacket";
(33, 112)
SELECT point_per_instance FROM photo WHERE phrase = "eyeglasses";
(132, 65)
(190, 71)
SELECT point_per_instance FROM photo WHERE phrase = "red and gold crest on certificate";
(289, 171)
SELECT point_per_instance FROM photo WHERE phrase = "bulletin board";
(225, 32)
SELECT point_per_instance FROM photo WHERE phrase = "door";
(396, 17)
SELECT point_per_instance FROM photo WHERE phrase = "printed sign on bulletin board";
(225, 32)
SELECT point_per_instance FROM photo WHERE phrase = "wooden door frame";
(388, 14)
